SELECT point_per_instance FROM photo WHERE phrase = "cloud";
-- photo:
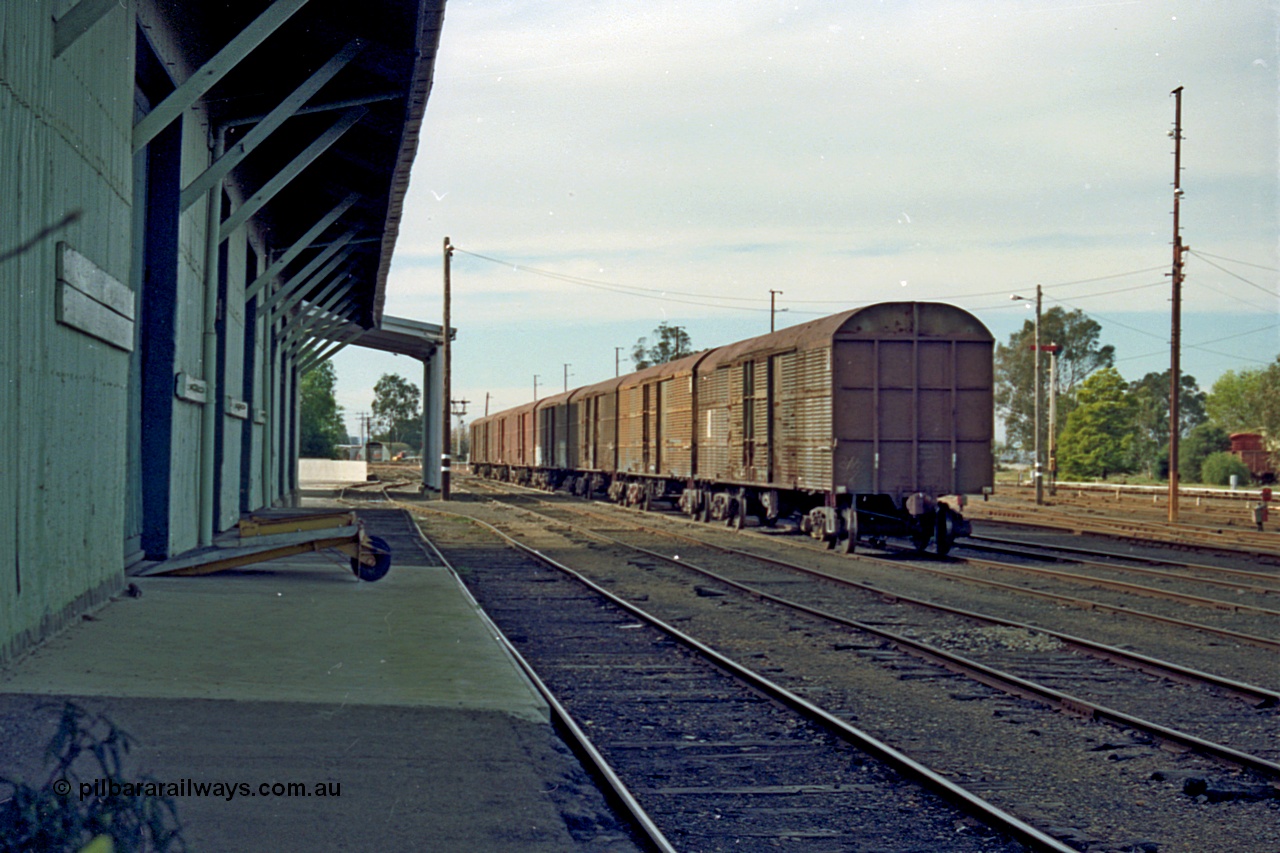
(833, 151)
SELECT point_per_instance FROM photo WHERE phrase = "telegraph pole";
(566, 377)
(1175, 338)
(446, 444)
(535, 387)
(617, 360)
(1039, 469)
(772, 297)
(1053, 350)
(459, 410)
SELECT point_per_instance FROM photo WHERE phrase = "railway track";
(1010, 656)
(1242, 614)
(1250, 580)
(1230, 628)
(713, 755)
(886, 654)
(1094, 519)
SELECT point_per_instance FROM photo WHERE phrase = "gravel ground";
(1097, 787)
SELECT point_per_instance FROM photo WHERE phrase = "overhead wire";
(1111, 320)
(1200, 347)
(703, 300)
(591, 282)
(626, 289)
(1200, 254)
(668, 294)
(1235, 276)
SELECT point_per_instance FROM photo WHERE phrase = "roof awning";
(398, 335)
(318, 104)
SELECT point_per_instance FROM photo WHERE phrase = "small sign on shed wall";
(91, 301)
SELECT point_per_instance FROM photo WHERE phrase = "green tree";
(1079, 357)
(321, 426)
(397, 406)
(1247, 400)
(1151, 420)
(670, 343)
(1203, 440)
(1097, 438)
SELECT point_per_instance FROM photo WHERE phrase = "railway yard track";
(715, 758)
(1123, 721)
(1223, 525)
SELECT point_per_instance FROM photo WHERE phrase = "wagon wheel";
(738, 517)
(922, 532)
(771, 503)
(381, 552)
(850, 541)
(946, 530)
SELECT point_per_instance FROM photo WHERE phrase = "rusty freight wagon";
(858, 425)
(502, 444)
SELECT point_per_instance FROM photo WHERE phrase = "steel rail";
(990, 814)
(582, 746)
(1243, 544)
(1239, 586)
(1137, 558)
(1121, 586)
(1261, 696)
(1187, 675)
(998, 679)
(1073, 601)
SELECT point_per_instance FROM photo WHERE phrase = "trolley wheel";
(382, 561)
(850, 542)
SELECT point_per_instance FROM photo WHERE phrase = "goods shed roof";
(342, 88)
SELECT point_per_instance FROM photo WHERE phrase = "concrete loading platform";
(293, 670)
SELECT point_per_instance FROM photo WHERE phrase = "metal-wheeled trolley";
(265, 538)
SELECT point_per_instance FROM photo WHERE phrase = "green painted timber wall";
(64, 392)
(65, 128)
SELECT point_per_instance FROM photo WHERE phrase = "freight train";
(870, 423)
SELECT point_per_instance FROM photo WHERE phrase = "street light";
(1037, 472)
(1053, 350)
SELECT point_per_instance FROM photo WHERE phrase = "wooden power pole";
(1175, 338)
(447, 392)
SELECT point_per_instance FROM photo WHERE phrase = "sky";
(604, 167)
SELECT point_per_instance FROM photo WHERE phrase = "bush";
(56, 817)
(1203, 440)
(1217, 469)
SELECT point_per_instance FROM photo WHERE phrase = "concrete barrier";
(332, 471)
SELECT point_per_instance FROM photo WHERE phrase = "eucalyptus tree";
(1079, 356)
